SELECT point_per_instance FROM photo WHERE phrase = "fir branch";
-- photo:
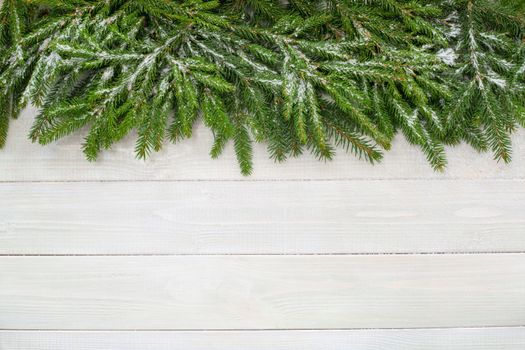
(298, 75)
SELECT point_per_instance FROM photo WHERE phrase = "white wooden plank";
(262, 217)
(262, 292)
(384, 339)
(64, 161)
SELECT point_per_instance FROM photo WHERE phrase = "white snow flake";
(448, 56)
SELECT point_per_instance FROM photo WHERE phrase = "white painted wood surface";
(262, 292)
(310, 217)
(384, 339)
(183, 244)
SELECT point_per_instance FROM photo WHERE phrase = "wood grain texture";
(305, 217)
(189, 160)
(262, 292)
(56, 203)
(384, 339)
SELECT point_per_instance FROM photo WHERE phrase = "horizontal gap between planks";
(250, 330)
(270, 180)
(268, 254)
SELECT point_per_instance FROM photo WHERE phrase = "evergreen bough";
(297, 74)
